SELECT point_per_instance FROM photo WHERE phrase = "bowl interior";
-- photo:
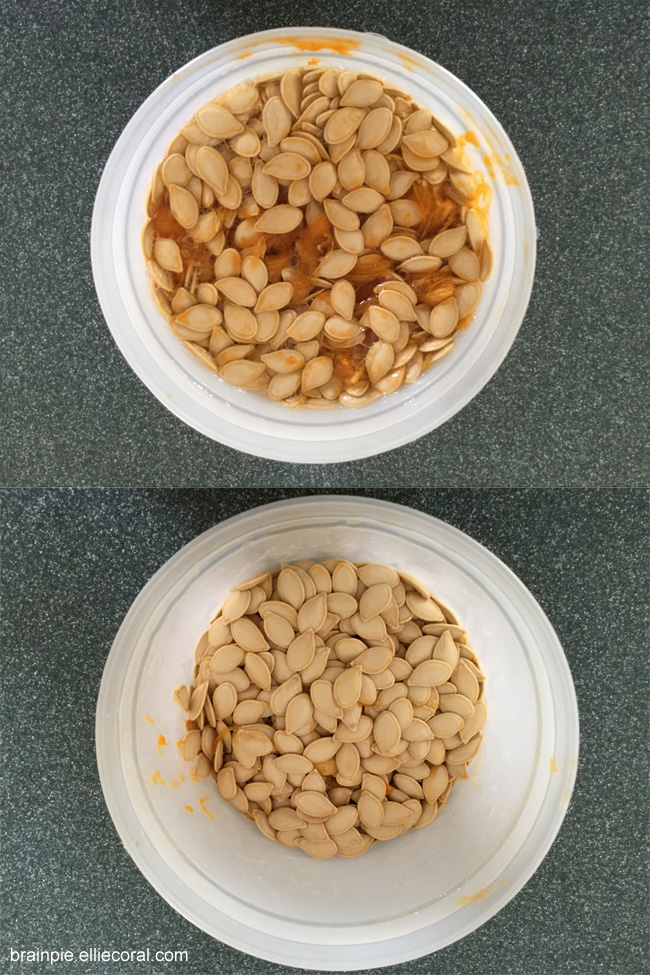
(396, 887)
(200, 396)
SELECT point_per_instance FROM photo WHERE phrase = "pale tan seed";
(283, 385)
(375, 128)
(322, 180)
(343, 124)
(374, 601)
(240, 322)
(370, 810)
(377, 227)
(284, 360)
(420, 263)
(465, 752)
(379, 360)
(274, 296)
(465, 681)
(294, 764)
(301, 145)
(288, 165)
(467, 298)
(347, 687)
(315, 805)
(237, 290)
(306, 326)
(427, 143)
(183, 206)
(351, 170)
(254, 271)
(362, 93)
(241, 372)
(336, 264)
(283, 694)
(465, 264)
(167, 254)
(363, 200)
(400, 248)
(400, 183)
(343, 298)
(175, 170)
(240, 99)
(299, 714)
(258, 671)
(227, 784)
(474, 722)
(319, 851)
(405, 213)
(276, 119)
(340, 216)
(312, 613)
(448, 242)
(248, 712)
(317, 372)
(224, 700)
(384, 323)
(248, 636)
(387, 732)
(301, 650)
(446, 725)
(191, 745)
(285, 818)
(264, 188)
(217, 122)
(348, 761)
(227, 658)
(457, 703)
(392, 140)
(212, 168)
(430, 673)
(424, 607)
(279, 219)
(349, 240)
(278, 630)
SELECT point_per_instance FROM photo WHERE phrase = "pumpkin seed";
(374, 128)
(279, 219)
(341, 216)
(342, 124)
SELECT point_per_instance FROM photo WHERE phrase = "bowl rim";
(243, 424)
(552, 807)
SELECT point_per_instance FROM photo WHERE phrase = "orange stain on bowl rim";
(161, 743)
(175, 785)
(149, 719)
(157, 778)
(340, 45)
(465, 137)
(241, 57)
(479, 895)
(205, 808)
(553, 765)
(313, 61)
(409, 62)
(188, 809)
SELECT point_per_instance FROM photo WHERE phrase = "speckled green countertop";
(73, 561)
(567, 82)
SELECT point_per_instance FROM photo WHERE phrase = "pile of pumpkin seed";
(269, 157)
(334, 704)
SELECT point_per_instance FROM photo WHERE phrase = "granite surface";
(566, 80)
(73, 561)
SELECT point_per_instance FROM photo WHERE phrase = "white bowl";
(249, 421)
(401, 899)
